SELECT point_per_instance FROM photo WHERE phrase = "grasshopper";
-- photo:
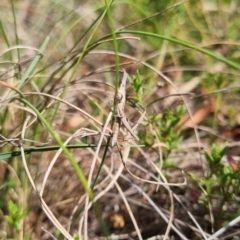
(121, 119)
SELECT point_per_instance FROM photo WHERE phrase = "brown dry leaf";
(198, 116)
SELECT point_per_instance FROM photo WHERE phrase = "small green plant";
(15, 215)
(137, 84)
(76, 237)
(214, 157)
(220, 185)
(165, 129)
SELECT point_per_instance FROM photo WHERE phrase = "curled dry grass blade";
(65, 150)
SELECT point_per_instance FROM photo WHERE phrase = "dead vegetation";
(163, 180)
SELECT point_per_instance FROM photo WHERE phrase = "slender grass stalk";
(30, 69)
(209, 53)
(86, 46)
(15, 28)
(34, 62)
(27, 151)
(115, 44)
(185, 44)
(5, 37)
(74, 164)
(82, 54)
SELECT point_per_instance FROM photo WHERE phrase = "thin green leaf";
(41, 149)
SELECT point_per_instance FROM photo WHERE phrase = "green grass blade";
(71, 159)
(31, 67)
(185, 44)
(115, 43)
(209, 53)
(33, 64)
(83, 52)
(15, 29)
(5, 37)
(42, 149)
(88, 41)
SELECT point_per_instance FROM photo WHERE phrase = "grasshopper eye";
(119, 97)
